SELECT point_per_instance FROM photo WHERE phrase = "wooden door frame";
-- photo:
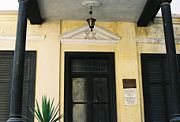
(67, 91)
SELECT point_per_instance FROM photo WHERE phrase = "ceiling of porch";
(111, 10)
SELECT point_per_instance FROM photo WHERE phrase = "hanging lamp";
(90, 34)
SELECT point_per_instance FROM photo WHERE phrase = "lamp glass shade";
(91, 23)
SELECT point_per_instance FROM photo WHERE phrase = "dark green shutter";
(156, 88)
(6, 62)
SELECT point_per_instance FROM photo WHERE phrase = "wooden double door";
(90, 87)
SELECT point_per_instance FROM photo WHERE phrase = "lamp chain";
(90, 34)
(91, 11)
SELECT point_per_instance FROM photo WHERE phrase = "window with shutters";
(90, 87)
(6, 63)
(156, 88)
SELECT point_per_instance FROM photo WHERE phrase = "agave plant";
(48, 112)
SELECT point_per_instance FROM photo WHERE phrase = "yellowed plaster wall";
(45, 40)
(134, 41)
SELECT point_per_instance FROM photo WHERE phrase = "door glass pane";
(100, 113)
(79, 89)
(89, 65)
(100, 90)
(79, 113)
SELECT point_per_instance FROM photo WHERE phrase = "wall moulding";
(154, 34)
(176, 19)
(155, 40)
(78, 35)
(28, 37)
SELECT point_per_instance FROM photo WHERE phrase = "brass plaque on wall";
(129, 83)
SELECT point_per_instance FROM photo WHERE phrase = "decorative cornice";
(78, 36)
(28, 38)
(86, 41)
(154, 34)
(154, 40)
(8, 12)
(175, 19)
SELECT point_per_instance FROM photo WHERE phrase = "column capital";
(23, 1)
(165, 1)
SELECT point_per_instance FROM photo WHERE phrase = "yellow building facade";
(47, 41)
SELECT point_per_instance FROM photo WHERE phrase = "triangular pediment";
(79, 36)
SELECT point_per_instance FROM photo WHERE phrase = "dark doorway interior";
(90, 87)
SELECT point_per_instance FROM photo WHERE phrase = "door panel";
(100, 90)
(101, 112)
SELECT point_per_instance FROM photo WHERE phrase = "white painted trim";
(28, 38)
(175, 20)
(8, 12)
(173, 15)
(107, 33)
(83, 29)
(75, 36)
(155, 40)
(86, 41)
(70, 34)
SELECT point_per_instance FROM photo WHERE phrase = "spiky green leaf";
(48, 112)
